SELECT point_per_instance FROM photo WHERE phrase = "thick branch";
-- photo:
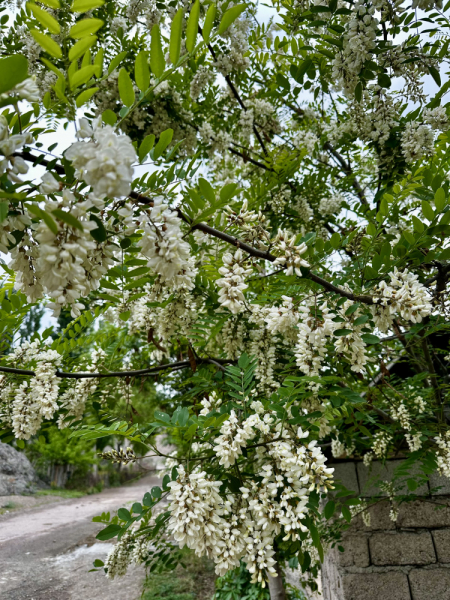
(183, 364)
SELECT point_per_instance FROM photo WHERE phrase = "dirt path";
(46, 552)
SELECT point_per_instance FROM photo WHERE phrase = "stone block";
(442, 544)
(369, 476)
(356, 552)
(402, 549)
(345, 473)
(430, 584)
(376, 586)
(441, 482)
(424, 514)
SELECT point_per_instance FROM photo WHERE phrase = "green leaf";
(409, 237)
(48, 220)
(4, 208)
(230, 16)
(342, 332)
(47, 43)
(192, 26)
(346, 514)
(146, 146)
(335, 240)
(384, 80)
(85, 96)
(67, 218)
(85, 27)
(417, 224)
(20, 444)
(109, 117)
(368, 338)
(384, 207)
(183, 416)
(44, 18)
(439, 199)
(175, 36)
(228, 191)
(209, 22)
(435, 75)
(98, 563)
(329, 509)
(81, 6)
(13, 70)
(156, 492)
(124, 514)
(124, 316)
(361, 320)
(98, 234)
(358, 92)
(126, 90)
(82, 76)
(164, 140)
(157, 62)
(82, 46)
(191, 431)
(141, 71)
(316, 540)
(109, 532)
(427, 210)
(116, 61)
(51, 3)
(207, 190)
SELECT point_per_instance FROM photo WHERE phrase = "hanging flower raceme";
(288, 254)
(105, 161)
(163, 244)
(232, 283)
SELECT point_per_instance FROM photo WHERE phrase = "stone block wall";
(404, 560)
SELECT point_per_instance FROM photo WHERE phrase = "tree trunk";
(276, 586)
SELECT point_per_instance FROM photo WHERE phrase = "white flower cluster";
(417, 141)
(381, 442)
(209, 404)
(315, 326)
(164, 246)
(234, 57)
(351, 345)
(233, 337)
(105, 161)
(64, 265)
(73, 400)
(233, 438)
(9, 144)
(437, 118)
(229, 528)
(289, 255)
(305, 140)
(200, 80)
(232, 283)
(330, 205)
(25, 404)
(129, 549)
(282, 319)
(263, 348)
(443, 453)
(280, 198)
(359, 40)
(404, 296)
(250, 224)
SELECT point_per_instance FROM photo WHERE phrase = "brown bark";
(276, 586)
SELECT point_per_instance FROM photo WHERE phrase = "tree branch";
(183, 364)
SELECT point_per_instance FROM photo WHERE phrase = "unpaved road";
(46, 552)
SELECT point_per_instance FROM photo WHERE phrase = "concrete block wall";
(404, 560)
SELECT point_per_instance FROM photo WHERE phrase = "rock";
(17, 475)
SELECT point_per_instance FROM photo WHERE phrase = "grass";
(9, 505)
(196, 582)
(61, 493)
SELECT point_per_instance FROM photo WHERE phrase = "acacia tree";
(257, 214)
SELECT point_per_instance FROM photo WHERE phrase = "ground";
(47, 550)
